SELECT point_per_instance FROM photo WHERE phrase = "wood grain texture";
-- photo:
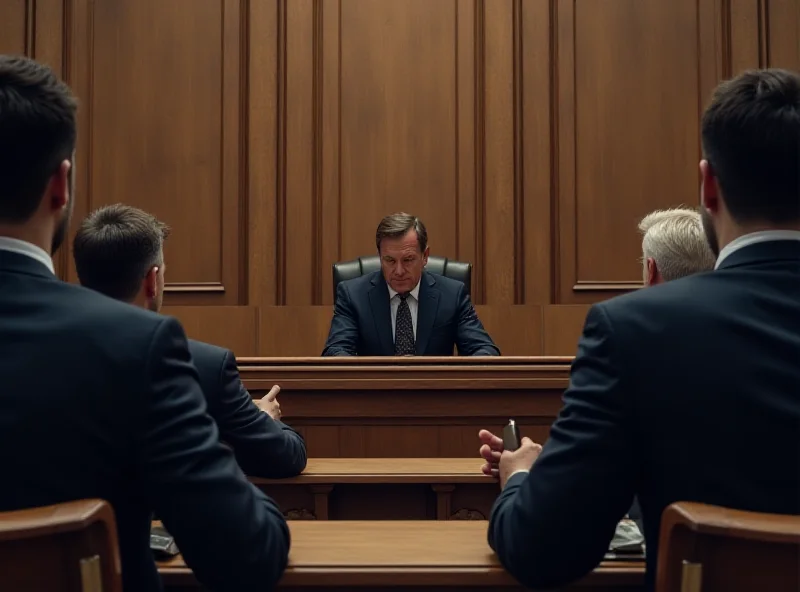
(231, 327)
(385, 489)
(331, 471)
(530, 136)
(301, 331)
(409, 407)
(330, 554)
(725, 542)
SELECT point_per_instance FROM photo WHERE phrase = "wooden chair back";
(69, 547)
(705, 548)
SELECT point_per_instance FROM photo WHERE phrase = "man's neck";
(28, 234)
(734, 231)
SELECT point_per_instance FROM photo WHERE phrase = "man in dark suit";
(118, 252)
(686, 391)
(404, 310)
(99, 399)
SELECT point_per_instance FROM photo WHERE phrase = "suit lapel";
(426, 312)
(381, 312)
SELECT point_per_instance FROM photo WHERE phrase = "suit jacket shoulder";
(208, 359)
(263, 447)
(361, 284)
(100, 400)
(444, 283)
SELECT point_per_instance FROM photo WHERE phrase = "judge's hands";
(269, 403)
(504, 463)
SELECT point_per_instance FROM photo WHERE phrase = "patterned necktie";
(404, 329)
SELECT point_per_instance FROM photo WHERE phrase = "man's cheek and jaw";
(402, 276)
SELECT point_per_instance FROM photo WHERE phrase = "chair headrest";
(348, 270)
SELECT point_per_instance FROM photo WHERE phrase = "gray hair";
(675, 239)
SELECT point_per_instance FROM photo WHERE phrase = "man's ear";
(58, 187)
(425, 254)
(150, 283)
(709, 187)
(653, 275)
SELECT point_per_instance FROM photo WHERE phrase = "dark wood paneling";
(536, 131)
(500, 194)
(628, 133)
(264, 72)
(409, 407)
(16, 26)
(232, 327)
(783, 22)
(561, 329)
(379, 555)
(530, 135)
(517, 330)
(385, 489)
(162, 96)
(301, 331)
(293, 330)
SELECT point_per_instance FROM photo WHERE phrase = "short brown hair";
(37, 133)
(751, 139)
(397, 225)
(115, 247)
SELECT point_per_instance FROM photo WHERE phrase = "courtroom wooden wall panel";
(628, 133)
(293, 330)
(301, 331)
(232, 327)
(517, 330)
(535, 152)
(562, 327)
(529, 135)
(15, 35)
(783, 22)
(162, 97)
(746, 35)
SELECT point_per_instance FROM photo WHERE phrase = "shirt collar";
(414, 293)
(28, 249)
(753, 238)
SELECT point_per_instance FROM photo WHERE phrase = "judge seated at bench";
(118, 251)
(402, 309)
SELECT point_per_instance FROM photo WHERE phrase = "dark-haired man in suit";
(100, 399)
(118, 252)
(686, 391)
(404, 310)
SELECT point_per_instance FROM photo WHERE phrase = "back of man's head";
(674, 245)
(116, 247)
(37, 133)
(751, 140)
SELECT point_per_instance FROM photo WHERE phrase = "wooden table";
(412, 407)
(423, 555)
(385, 489)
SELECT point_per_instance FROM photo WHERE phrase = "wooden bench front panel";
(409, 407)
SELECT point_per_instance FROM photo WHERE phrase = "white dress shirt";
(756, 237)
(413, 306)
(30, 250)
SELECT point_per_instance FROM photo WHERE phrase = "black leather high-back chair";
(455, 270)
